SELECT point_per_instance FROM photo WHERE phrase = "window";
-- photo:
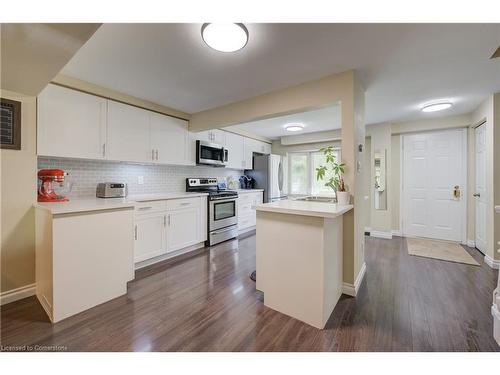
(303, 173)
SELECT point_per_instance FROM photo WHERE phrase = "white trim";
(352, 289)
(471, 243)
(496, 322)
(397, 233)
(381, 234)
(17, 294)
(463, 188)
(495, 264)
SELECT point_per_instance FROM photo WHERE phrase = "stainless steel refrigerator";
(270, 174)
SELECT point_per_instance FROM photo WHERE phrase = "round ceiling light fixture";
(434, 107)
(294, 127)
(225, 37)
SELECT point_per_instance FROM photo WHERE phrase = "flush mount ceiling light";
(434, 107)
(225, 37)
(294, 127)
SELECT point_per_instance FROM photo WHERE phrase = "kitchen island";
(299, 258)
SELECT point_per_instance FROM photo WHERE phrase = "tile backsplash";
(85, 174)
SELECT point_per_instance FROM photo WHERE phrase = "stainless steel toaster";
(111, 190)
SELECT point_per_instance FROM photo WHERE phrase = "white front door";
(480, 188)
(433, 164)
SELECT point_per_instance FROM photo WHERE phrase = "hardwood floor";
(208, 303)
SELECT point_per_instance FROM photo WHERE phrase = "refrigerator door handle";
(280, 177)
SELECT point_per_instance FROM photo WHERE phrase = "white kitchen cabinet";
(128, 133)
(182, 228)
(235, 145)
(167, 226)
(253, 145)
(169, 139)
(246, 213)
(70, 124)
(213, 136)
(150, 236)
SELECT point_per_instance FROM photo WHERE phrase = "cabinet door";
(249, 148)
(128, 133)
(149, 236)
(267, 148)
(70, 124)
(219, 137)
(169, 139)
(182, 228)
(236, 151)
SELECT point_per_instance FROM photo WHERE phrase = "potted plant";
(335, 171)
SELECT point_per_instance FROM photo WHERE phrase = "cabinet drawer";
(151, 206)
(175, 204)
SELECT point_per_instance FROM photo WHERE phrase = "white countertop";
(163, 196)
(98, 204)
(318, 209)
(244, 191)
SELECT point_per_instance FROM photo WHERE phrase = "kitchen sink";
(317, 199)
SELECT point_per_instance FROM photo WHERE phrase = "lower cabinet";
(246, 214)
(150, 236)
(183, 227)
(169, 226)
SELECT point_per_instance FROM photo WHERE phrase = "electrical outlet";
(140, 180)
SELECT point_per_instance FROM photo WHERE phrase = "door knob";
(476, 195)
(456, 191)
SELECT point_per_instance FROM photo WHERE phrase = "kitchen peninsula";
(299, 258)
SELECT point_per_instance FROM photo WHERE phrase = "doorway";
(433, 199)
(480, 187)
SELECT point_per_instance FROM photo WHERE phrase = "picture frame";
(10, 124)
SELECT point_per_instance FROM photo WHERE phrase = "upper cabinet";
(235, 145)
(169, 140)
(128, 133)
(71, 124)
(212, 136)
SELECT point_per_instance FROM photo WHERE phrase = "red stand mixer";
(53, 185)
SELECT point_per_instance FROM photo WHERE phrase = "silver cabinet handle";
(164, 220)
(104, 150)
(145, 208)
(135, 232)
(185, 204)
(476, 195)
(168, 220)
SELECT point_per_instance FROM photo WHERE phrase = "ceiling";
(314, 121)
(401, 66)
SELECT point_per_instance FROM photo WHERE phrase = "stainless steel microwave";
(211, 154)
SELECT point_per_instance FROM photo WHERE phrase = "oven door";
(210, 153)
(223, 213)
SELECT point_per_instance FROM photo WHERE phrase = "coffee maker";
(53, 185)
(247, 182)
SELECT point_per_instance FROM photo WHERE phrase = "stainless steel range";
(222, 208)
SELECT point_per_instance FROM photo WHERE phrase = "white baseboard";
(471, 243)
(352, 289)
(381, 234)
(397, 233)
(17, 294)
(495, 264)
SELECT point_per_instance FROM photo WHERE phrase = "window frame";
(311, 171)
